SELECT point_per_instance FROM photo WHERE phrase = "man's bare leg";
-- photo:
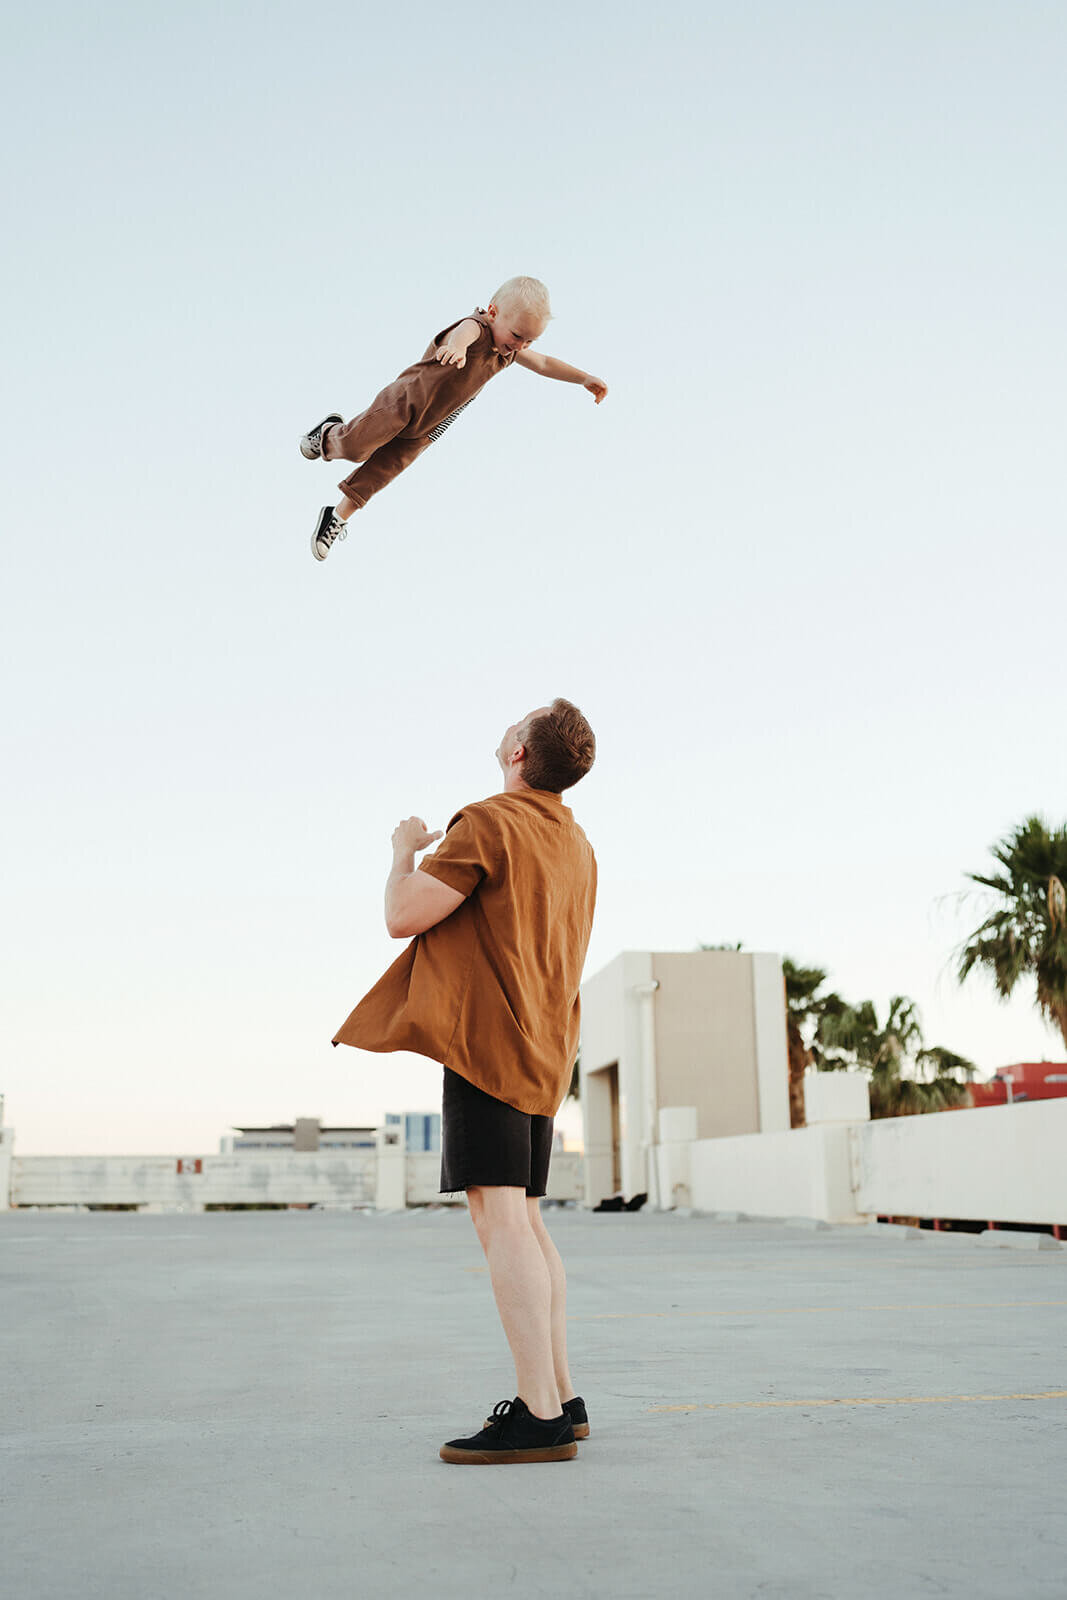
(558, 1279)
(522, 1285)
(344, 508)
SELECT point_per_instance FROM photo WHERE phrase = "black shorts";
(485, 1143)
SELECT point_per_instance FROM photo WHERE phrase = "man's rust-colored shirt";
(493, 991)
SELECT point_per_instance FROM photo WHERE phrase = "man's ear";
(517, 755)
(491, 311)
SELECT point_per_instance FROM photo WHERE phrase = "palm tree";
(850, 1036)
(829, 1033)
(1026, 931)
(803, 1006)
(841, 1035)
(909, 1097)
(937, 1062)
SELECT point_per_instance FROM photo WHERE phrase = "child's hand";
(450, 355)
(596, 386)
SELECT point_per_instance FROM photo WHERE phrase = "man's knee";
(489, 1216)
(501, 1210)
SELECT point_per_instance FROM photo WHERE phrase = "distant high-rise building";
(421, 1129)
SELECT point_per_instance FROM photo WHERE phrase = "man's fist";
(412, 835)
(597, 388)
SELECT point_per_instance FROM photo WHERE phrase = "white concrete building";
(306, 1133)
(288, 1167)
(700, 1033)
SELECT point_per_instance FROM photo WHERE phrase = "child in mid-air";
(415, 410)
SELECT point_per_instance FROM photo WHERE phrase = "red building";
(1027, 1080)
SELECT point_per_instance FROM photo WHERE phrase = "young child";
(415, 410)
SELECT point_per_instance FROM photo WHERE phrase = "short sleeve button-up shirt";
(492, 991)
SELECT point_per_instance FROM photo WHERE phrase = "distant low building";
(1026, 1080)
(306, 1133)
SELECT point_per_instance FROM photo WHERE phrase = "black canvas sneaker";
(513, 1434)
(328, 530)
(575, 1409)
(311, 443)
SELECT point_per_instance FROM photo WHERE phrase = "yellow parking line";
(803, 1311)
(864, 1400)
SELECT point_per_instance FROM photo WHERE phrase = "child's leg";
(381, 469)
(388, 415)
(371, 430)
(358, 487)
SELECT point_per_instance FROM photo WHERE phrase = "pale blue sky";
(803, 569)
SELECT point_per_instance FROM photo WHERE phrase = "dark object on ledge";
(617, 1203)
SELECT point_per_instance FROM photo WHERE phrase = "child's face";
(513, 327)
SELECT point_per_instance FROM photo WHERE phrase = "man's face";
(515, 739)
(513, 328)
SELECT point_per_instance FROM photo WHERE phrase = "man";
(501, 915)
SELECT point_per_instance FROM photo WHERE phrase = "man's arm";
(452, 351)
(551, 367)
(414, 901)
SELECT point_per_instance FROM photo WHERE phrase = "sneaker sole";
(502, 1458)
(315, 548)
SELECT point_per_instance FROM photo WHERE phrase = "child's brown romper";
(411, 413)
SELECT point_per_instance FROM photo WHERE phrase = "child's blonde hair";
(530, 293)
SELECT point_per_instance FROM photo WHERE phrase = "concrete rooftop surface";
(250, 1405)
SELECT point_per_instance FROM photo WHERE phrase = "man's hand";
(415, 901)
(596, 386)
(411, 836)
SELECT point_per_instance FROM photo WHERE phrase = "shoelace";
(501, 1411)
(336, 530)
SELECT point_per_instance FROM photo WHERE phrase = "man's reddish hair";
(560, 748)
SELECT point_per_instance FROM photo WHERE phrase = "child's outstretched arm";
(452, 351)
(550, 367)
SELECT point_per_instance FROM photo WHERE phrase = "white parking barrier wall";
(805, 1172)
(998, 1163)
(7, 1151)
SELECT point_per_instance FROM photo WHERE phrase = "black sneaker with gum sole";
(513, 1435)
(575, 1409)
